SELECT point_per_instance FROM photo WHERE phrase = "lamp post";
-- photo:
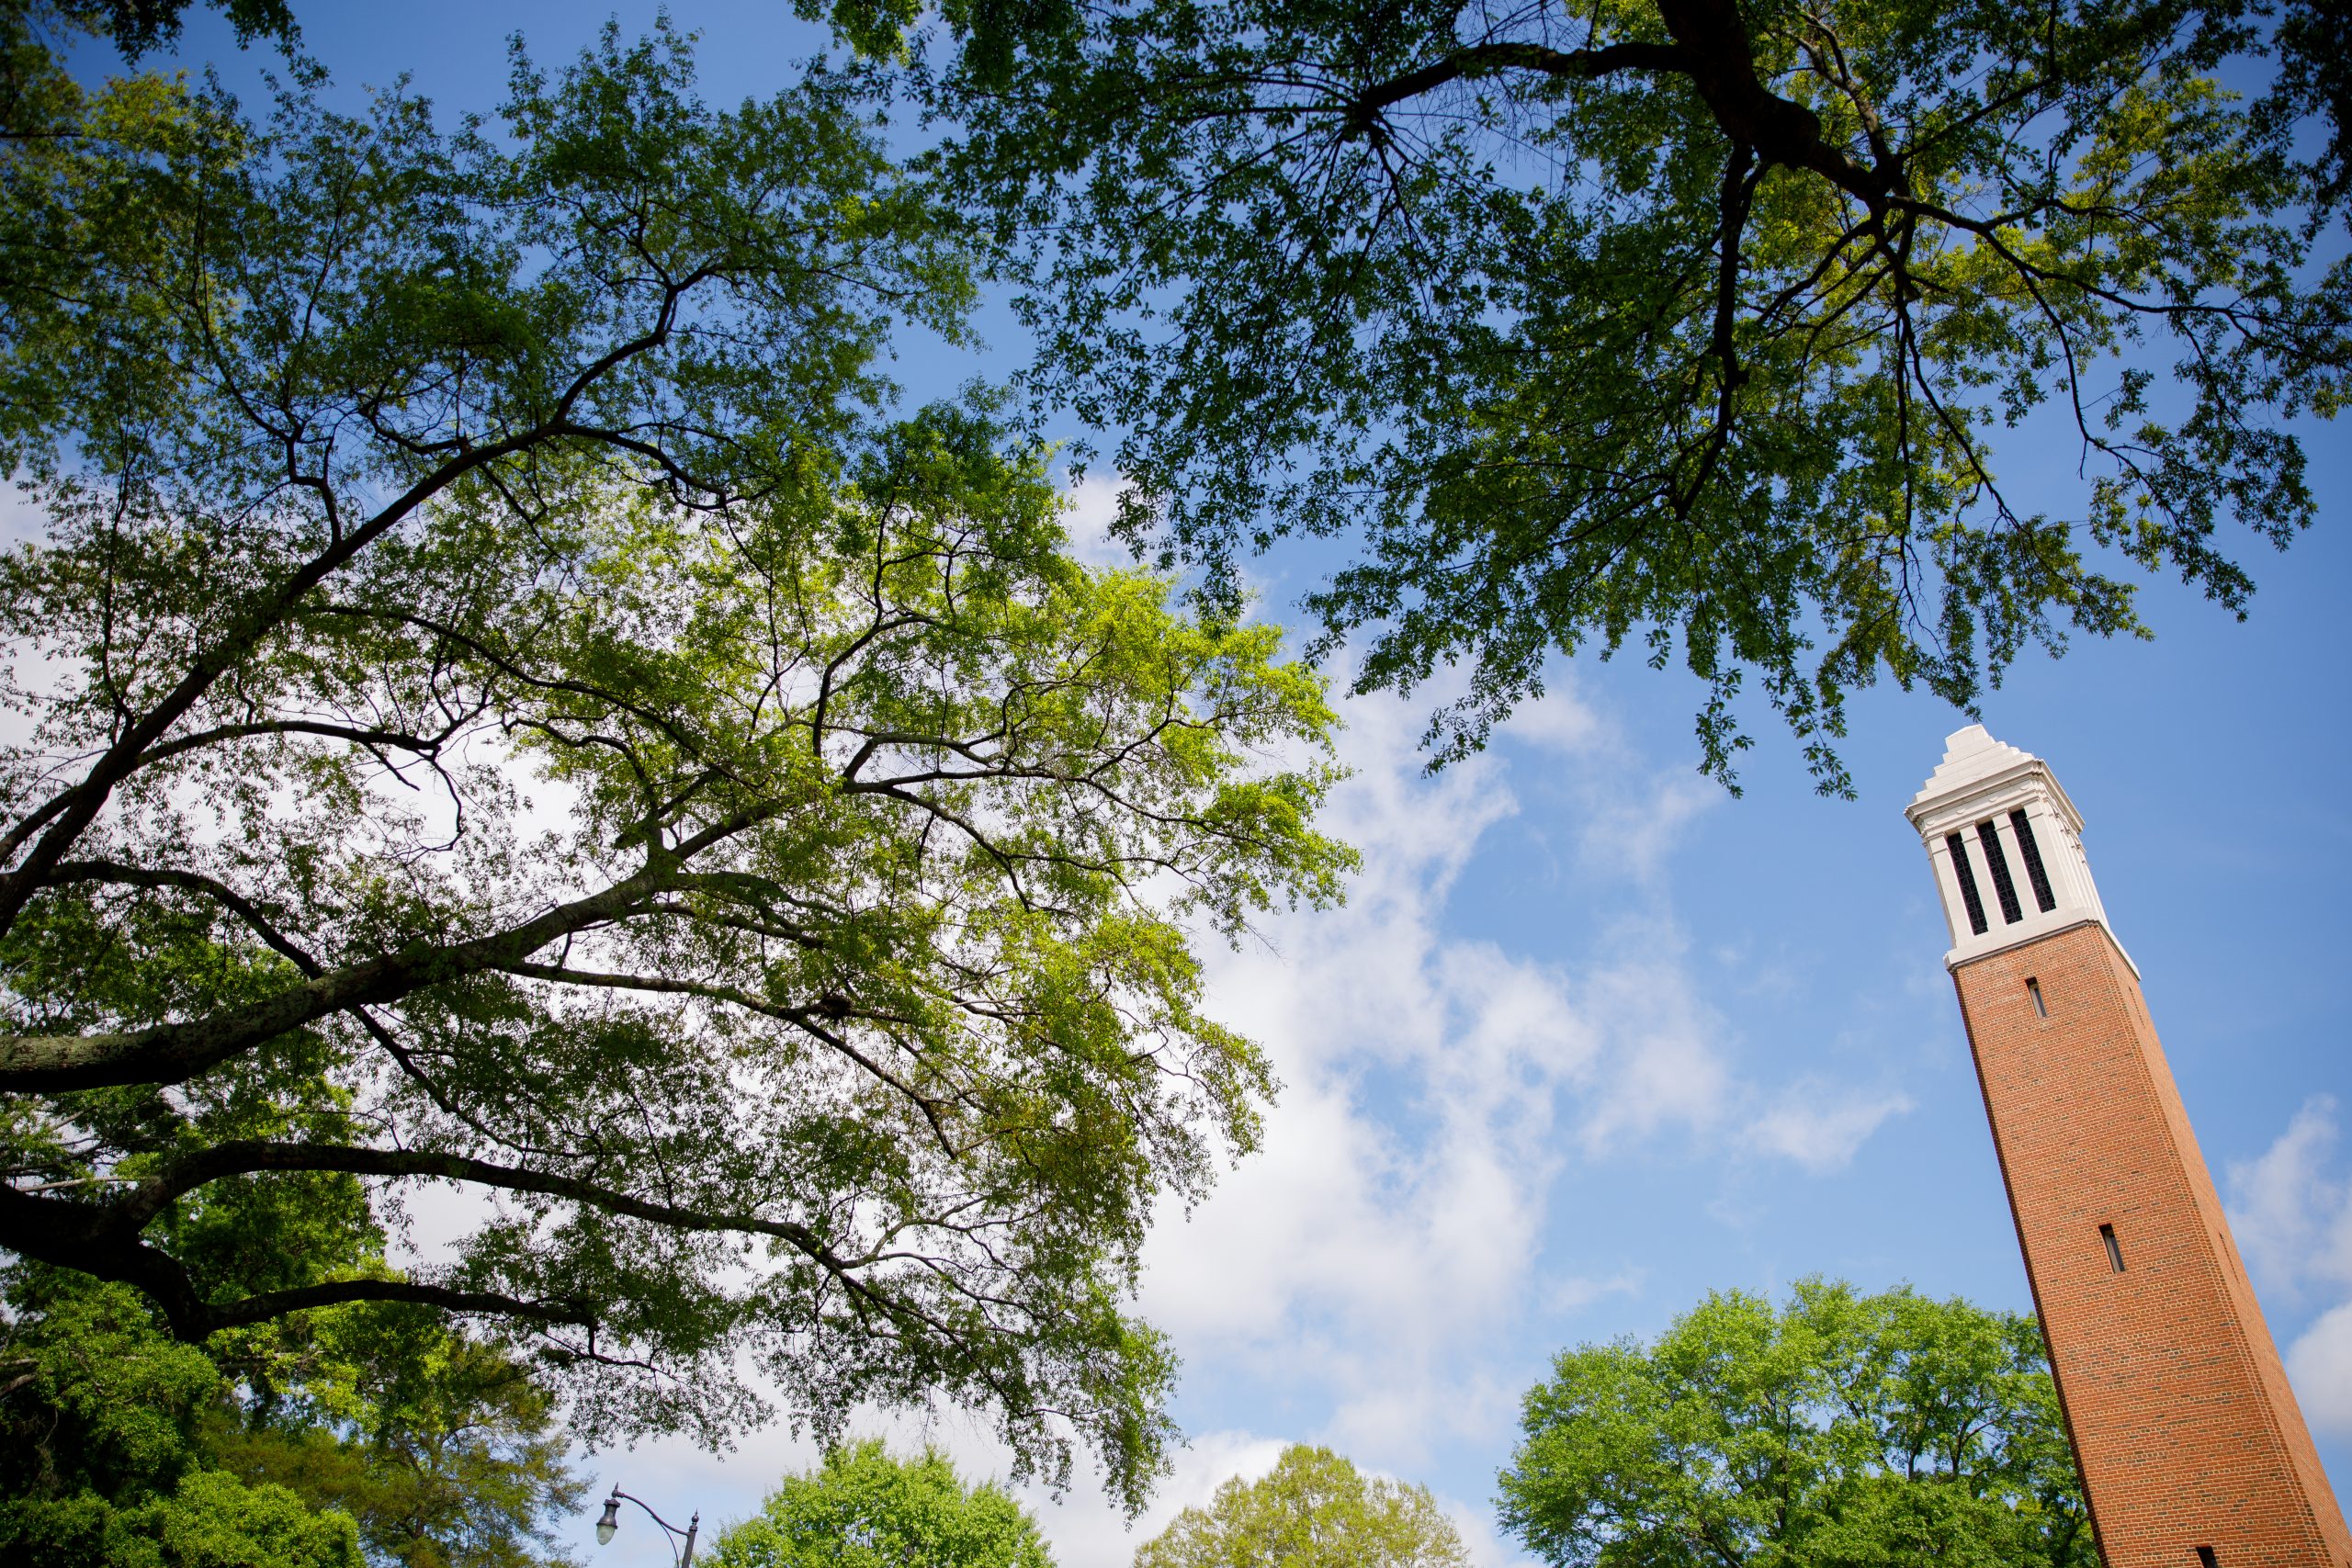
(612, 1521)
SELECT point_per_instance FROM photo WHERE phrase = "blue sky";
(1592, 1038)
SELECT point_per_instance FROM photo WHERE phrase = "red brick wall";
(2182, 1419)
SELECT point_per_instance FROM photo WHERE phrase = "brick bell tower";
(2192, 1449)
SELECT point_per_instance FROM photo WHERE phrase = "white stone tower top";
(2006, 846)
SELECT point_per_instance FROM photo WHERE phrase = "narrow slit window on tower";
(1968, 893)
(1998, 864)
(2114, 1247)
(2035, 872)
(2033, 989)
(2205, 1558)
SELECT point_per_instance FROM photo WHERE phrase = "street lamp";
(612, 1521)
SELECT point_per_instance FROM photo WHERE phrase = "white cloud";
(1669, 1067)
(23, 519)
(1373, 1260)
(2293, 1224)
(1821, 1125)
(2292, 1221)
(1578, 1292)
(1560, 724)
(1632, 833)
(1092, 506)
(2319, 1365)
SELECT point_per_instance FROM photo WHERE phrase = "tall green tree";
(1836, 1431)
(446, 1450)
(367, 1429)
(499, 705)
(1699, 328)
(102, 1449)
(863, 1507)
(1314, 1510)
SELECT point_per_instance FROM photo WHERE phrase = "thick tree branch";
(102, 1239)
(246, 1155)
(388, 740)
(1712, 51)
(269, 1304)
(172, 1053)
(80, 805)
(1489, 59)
(118, 874)
(1738, 192)
(85, 1238)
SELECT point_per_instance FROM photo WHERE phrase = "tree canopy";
(101, 1462)
(1840, 1430)
(1314, 1510)
(138, 26)
(863, 1507)
(501, 708)
(1697, 327)
(371, 1428)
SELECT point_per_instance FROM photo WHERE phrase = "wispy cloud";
(2292, 1218)
(1376, 1261)
(1091, 510)
(2291, 1210)
(1821, 1125)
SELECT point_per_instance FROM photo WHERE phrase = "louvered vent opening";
(1969, 897)
(1998, 864)
(2035, 873)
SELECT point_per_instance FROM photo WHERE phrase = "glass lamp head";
(611, 1521)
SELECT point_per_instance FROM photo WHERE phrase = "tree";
(863, 1508)
(138, 26)
(443, 1449)
(503, 706)
(1697, 327)
(1314, 1510)
(101, 1452)
(1841, 1429)
(369, 1426)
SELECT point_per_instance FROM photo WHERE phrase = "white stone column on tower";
(2019, 848)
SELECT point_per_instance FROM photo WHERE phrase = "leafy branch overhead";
(506, 710)
(1695, 326)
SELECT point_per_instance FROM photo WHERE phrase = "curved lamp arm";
(612, 1519)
